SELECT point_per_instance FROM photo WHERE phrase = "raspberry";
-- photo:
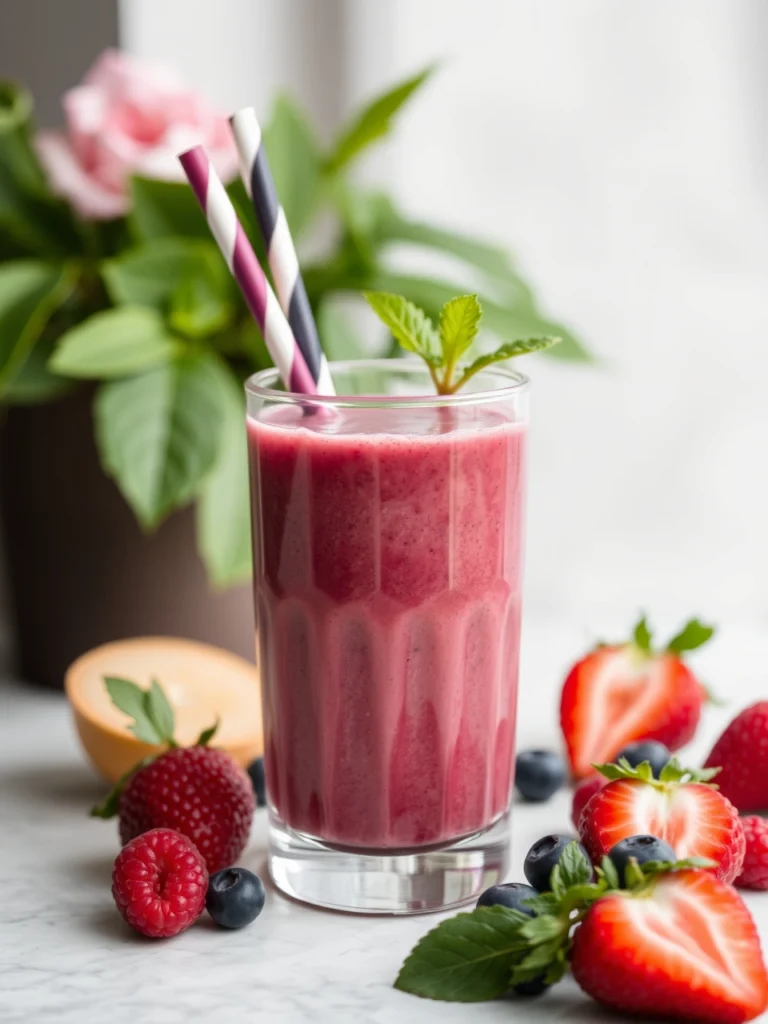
(159, 883)
(197, 791)
(754, 874)
(583, 793)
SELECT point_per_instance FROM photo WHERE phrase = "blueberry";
(536, 987)
(643, 849)
(542, 858)
(511, 894)
(539, 774)
(256, 771)
(235, 897)
(647, 750)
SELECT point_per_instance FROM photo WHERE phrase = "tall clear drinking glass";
(388, 541)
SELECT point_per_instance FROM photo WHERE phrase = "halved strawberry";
(624, 692)
(684, 947)
(679, 807)
(742, 754)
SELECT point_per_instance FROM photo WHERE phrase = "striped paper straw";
(246, 269)
(281, 252)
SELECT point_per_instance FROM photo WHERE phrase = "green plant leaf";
(158, 433)
(459, 324)
(223, 511)
(198, 309)
(30, 291)
(294, 157)
(338, 337)
(373, 122)
(466, 958)
(110, 805)
(160, 711)
(642, 636)
(114, 343)
(134, 701)
(412, 329)
(693, 635)
(32, 220)
(151, 274)
(671, 772)
(162, 209)
(607, 870)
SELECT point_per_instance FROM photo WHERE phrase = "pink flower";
(128, 117)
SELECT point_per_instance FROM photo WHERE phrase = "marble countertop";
(66, 956)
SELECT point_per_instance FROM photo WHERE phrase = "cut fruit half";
(201, 682)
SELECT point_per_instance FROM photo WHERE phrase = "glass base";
(388, 882)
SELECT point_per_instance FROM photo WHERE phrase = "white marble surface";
(66, 956)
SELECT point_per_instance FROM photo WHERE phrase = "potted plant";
(124, 344)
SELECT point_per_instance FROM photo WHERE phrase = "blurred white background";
(621, 150)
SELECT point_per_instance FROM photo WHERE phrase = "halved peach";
(202, 683)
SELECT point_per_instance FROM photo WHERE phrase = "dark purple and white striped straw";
(281, 252)
(246, 269)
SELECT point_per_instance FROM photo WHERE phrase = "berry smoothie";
(387, 587)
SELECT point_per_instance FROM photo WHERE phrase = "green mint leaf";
(642, 636)
(556, 883)
(411, 327)
(694, 634)
(110, 805)
(541, 929)
(160, 711)
(544, 903)
(207, 735)
(574, 866)
(466, 958)
(459, 324)
(508, 351)
(540, 959)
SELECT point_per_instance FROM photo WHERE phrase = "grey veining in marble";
(66, 956)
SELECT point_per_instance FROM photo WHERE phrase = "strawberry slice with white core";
(684, 947)
(679, 807)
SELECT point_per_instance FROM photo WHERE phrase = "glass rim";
(257, 385)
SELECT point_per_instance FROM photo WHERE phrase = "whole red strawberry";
(679, 807)
(620, 693)
(742, 754)
(682, 947)
(754, 873)
(159, 883)
(198, 791)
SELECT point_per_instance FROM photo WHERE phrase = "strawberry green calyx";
(444, 348)
(671, 774)
(153, 722)
(482, 954)
(693, 635)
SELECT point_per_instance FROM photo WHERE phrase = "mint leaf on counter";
(467, 958)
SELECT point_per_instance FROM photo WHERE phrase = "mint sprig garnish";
(444, 347)
(482, 954)
(672, 772)
(153, 722)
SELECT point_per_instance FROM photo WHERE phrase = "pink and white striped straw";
(246, 269)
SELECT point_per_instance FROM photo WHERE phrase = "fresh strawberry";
(198, 791)
(679, 807)
(684, 947)
(742, 754)
(583, 793)
(624, 692)
(754, 873)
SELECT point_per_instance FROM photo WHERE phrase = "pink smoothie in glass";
(387, 587)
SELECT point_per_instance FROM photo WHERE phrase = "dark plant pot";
(80, 571)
